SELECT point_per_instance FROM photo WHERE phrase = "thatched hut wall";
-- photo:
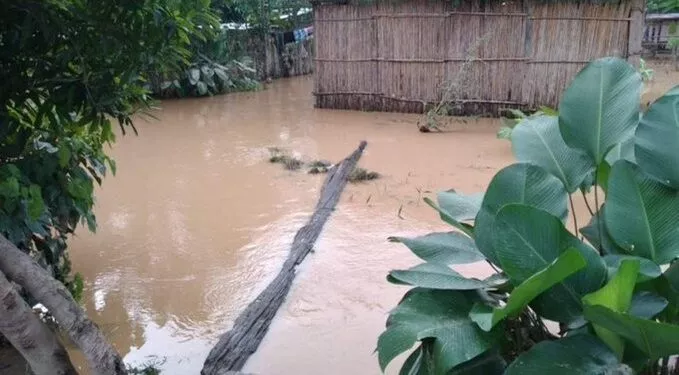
(402, 55)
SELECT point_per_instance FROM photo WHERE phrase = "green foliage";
(521, 184)
(67, 69)
(569, 262)
(516, 117)
(617, 296)
(646, 72)
(657, 139)
(578, 354)
(613, 88)
(214, 70)
(444, 248)
(663, 6)
(438, 315)
(538, 142)
(617, 310)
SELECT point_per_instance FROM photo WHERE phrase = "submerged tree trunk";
(31, 337)
(20, 268)
(235, 346)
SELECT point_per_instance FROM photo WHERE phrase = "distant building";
(659, 29)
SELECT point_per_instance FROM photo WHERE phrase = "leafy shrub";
(612, 286)
(70, 70)
(210, 78)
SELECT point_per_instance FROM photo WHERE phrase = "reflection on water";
(196, 222)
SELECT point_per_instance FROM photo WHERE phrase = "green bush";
(71, 69)
(218, 65)
(210, 78)
(612, 286)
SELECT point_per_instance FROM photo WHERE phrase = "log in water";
(235, 346)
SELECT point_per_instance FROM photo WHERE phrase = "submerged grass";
(319, 166)
(361, 174)
(280, 156)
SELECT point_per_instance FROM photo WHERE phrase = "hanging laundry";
(300, 35)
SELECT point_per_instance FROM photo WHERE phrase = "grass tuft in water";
(280, 156)
(361, 174)
(319, 166)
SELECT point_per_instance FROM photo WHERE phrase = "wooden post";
(315, 4)
(527, 95)
(636, 31)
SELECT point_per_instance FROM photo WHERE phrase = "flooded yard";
(197, 221)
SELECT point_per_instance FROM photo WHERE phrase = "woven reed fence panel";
(402, 55)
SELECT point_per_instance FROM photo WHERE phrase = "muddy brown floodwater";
(196, 222)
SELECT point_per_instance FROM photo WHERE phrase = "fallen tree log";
(236, 345)
(29, 336)
(23, 270)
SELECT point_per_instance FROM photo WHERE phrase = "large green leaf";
(434, 314)
(668, 286)
(417, 363)
(489, 363)
(537, 140)
(193, 75)
(445, 216)
(577, 354)
(460, 207)
(444, 248)
(435, 276)
(601, 241)
(422, 361)
(647, 305)
(647, 269)
(201, 88)
(518, 183)
(655, 339)
(600, 108)
(565, 265)
(617, 296)
(641, 214)
(657, 139)
(527, 240)
(623, 150)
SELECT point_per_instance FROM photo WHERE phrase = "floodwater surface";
(197, 221)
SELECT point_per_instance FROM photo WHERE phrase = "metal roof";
(662, 16)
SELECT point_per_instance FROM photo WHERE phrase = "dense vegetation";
(663, 6)
(611, 286)
(71, 71)
(67, 71)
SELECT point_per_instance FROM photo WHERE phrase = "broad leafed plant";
(611, 286)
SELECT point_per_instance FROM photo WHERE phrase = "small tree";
(612, 286)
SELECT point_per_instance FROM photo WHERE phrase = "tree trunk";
(235, 346)
(23, 270)
(31, 337)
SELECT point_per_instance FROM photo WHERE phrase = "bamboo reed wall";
(401, 55)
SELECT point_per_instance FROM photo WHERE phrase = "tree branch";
(23, 270)
(32, 338)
